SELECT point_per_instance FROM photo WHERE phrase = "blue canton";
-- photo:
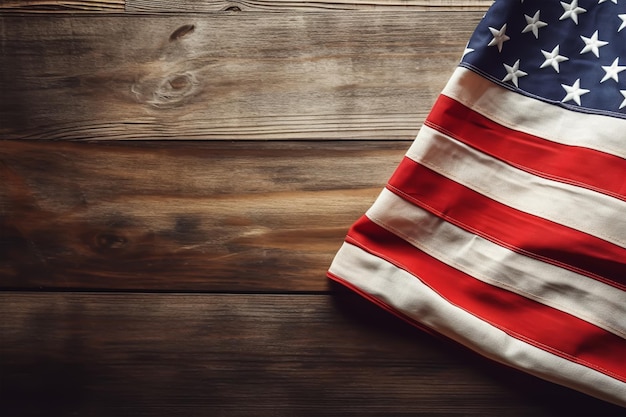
(571, 53)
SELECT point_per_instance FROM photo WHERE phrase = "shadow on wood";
(523, 388)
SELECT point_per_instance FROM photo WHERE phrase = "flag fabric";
(504, 226)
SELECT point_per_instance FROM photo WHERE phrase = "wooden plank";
(194, 216)
(349, 75)
(67, 354)
(295, 5)
(41, 6)
(152, 6)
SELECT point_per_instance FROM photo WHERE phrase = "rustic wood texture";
(168, 6)
(39, 6)
(198, 216)
(348, 75)
(145, 275)
(295, 5)
(136, 355)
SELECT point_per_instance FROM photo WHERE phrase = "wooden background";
(175, 178)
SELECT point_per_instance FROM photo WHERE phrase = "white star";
(467, 51)
(593, 44)
(621, 106)
(612, 71)
(602, 1)
(573, 92)
(499, 37)
(571, 11)
(623, 17)
(553, 58)
(534, 24)
(513, 73)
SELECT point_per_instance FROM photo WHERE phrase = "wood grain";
(295, 5)
(168, 6)
(186, 276)
(196, 216)
(348, 75)
(68, 354)
(40, 6)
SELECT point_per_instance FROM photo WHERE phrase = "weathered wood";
(229, 76)
(168, 6)
(223, 219)
(196, 216)
(70, 354)
(38, 6)
(291, 5)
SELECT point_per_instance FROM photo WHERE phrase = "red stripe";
(514, 229)
(539, 325)
(583, 167)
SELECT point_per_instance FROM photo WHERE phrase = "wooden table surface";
(175, 178)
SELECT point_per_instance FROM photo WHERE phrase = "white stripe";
(578, 295)
(579, 208)
(525, 114)
(408, 295)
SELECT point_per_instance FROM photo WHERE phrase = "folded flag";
(504, 226)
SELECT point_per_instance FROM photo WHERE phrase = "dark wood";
(198, 216)
(159, 257)
(70, 354)
(348, 75)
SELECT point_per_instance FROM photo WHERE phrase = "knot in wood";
(110, 241)
(169, 91)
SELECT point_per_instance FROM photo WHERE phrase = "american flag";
(504, 227)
